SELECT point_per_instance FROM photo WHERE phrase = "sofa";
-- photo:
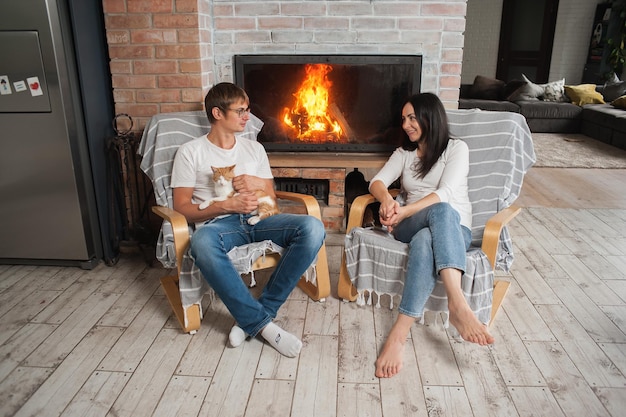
(598, 111)
(605, 123)
(541, 116)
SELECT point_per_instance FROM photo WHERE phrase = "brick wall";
(165, 54)
(156, 63)
(333, 212)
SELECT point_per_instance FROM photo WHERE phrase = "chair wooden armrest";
(345, 289)
(491, 241)
(320, 291)
(310, 203)
(190, 322)
(493, 228)
(180, 229)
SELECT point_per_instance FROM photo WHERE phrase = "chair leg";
(170, 286)
(500, 289)
(322, 290)
(345, 290)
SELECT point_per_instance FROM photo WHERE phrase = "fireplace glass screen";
(342, 103)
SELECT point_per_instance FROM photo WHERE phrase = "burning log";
(336, 113)
(311, 117)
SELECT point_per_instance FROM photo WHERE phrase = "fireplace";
(329, 103)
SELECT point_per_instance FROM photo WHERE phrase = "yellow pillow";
(583, 94)
(619, 102)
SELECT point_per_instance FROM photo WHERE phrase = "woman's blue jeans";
(436, 241)
(301, 236)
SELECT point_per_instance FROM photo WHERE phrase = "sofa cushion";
(613, 89)
(619, 102)
(511, 88)
(492, 105)
(529, 91)
(605, 123)
(554, 91)
(486, 88)
(583, 94)
(605, 115)
(549, 110)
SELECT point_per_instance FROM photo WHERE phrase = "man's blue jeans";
(301, 236)
(436, 241)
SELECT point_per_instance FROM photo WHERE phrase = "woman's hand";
(389, 213)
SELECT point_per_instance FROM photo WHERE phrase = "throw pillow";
(485, 88)
(613, 79)
(583, 94)
(529, 91)
(554, 91)
(613, 88)
(510, 89)
(619, 102)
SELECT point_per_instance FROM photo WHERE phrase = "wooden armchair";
(184, 288)
(491, 238)
(190, 317)
(501, 151)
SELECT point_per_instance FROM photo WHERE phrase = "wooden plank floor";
(104, 342)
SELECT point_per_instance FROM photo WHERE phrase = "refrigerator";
(56, 112)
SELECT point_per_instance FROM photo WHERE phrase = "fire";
(309, 116)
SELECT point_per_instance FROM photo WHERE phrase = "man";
(223, 224)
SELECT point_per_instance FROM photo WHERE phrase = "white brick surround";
(433, 29)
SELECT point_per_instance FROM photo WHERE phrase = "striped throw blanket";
(501, 152)
(162, 136)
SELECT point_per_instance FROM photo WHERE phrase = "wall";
(571, 40)
(482, 34)
(165, 59)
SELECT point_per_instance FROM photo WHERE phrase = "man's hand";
(248, 183)
(243, 202)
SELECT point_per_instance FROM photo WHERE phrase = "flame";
(309, 116)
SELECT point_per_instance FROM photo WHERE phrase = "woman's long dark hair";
(432, 118)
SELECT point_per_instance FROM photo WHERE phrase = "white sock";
(236, 336)
(286, 343)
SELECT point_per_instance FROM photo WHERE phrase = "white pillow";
(530, 91)
(554, 91)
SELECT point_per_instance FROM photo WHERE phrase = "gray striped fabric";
(161, 139)
(501, 152)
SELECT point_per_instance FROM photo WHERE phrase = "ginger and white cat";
(223, 180)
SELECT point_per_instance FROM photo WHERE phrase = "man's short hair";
(222, 95)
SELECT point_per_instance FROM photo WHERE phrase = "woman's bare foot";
(390, 360)
(461, 315)
(469, 327)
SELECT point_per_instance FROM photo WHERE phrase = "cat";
(223, 180)
(223, 184)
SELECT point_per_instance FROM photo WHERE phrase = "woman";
(435, 222)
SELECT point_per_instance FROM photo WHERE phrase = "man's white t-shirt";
(447, 178)
(194, 159)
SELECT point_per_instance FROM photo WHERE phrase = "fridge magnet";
(5, 87)
(20, 86)
(35, 87)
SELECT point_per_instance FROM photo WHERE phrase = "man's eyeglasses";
(241, 111)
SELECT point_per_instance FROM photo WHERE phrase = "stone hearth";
(333, 167)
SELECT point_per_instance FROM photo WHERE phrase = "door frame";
(540, 59)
